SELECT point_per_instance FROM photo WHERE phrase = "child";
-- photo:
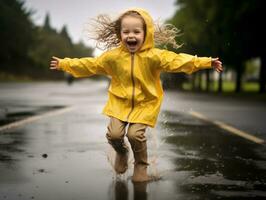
(135, 93)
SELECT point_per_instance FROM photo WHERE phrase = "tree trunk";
(239, 72)
(196, 81)
(199, 81)
(220, 83)
(207, 89)
(193, 80)
(262, 80)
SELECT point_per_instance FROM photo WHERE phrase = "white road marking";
(35, 118)
(229, 128)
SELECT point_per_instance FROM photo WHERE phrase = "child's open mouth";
(132, 43)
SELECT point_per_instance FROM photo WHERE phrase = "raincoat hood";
(149, 37)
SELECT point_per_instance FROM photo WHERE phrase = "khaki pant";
(137, 139)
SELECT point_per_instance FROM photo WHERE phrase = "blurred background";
(206, 144)
(34, 30)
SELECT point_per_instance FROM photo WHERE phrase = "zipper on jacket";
(133, 84)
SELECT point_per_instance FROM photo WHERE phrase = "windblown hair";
(106, 32)
(165, 34)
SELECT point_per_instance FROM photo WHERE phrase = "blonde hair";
(106, 32)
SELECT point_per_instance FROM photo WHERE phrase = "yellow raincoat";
(135, 93)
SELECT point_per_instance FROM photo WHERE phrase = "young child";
(135, 93)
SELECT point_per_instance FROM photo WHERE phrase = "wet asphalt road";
(66, 156)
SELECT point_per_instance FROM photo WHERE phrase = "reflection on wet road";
(219, 165)
(67, 156)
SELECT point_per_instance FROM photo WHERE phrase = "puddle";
(216, 160)
(196, 160)
(11, 147)
(21, 112)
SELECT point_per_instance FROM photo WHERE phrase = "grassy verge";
(249, 90)
(6, 77)
(227, 86)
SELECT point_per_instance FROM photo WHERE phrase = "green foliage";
(27, 49)
(51, 43)
(220, 28)
(228, 29)
(47, 24)
(16, 33)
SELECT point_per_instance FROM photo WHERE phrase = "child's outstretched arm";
(54, 64)
(173, 62)
(80, 67)
(217, 64)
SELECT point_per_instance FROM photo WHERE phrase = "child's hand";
(54, 64)
(217, 64)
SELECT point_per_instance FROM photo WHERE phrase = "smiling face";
(132, 33)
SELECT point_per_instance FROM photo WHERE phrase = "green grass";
(228, 86)
(249, 90)
(251, 87)
(7, 77)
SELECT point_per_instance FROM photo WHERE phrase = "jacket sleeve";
(172, 62)
(83, 67)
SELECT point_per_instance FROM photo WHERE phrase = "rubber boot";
(137, 139)
(115, 136)
(121, 157)
(121, 165)
(141, 163)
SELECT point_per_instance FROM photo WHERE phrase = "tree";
(52, 43)
(64, 34)
(16, 35)
(195, 19)
(47, 25)
(27, 49)
(226, 29)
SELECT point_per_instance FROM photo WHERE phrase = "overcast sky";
(75, 13)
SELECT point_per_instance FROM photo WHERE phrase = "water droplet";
(44, 155)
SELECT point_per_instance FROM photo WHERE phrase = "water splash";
(111, 154)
